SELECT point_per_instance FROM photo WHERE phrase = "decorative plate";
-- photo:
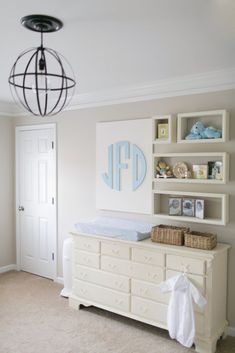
(180, 170)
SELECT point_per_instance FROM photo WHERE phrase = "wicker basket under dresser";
(121, 276)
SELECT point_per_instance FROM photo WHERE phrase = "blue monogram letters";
(138, 163)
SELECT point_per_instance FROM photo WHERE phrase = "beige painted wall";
(76, 163)
(7, 238)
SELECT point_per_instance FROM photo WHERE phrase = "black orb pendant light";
(41, 79)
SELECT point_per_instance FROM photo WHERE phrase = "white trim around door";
(18, 130)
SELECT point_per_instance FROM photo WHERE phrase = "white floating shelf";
(218, 201)
(164, 119)
(191, 219)
(188, 181)
(216, 118)
(190, 159)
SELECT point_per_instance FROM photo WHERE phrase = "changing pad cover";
(116, 228)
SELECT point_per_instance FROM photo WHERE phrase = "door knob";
(21, 208)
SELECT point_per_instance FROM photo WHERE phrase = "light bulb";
(44, 85)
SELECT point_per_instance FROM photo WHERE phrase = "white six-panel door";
(36, 198)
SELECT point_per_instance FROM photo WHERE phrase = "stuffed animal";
(196, 132)
(199, 131)
(212, 133)
(163, 170)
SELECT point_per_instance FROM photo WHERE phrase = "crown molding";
(214, 81)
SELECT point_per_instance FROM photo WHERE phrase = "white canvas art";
(124, 166)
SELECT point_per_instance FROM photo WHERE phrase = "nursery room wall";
(7, 238)
(76, 132)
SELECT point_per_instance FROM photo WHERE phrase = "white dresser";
(121, 276)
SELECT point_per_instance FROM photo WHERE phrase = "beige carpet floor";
(35, 319)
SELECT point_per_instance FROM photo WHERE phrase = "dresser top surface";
(147, 243)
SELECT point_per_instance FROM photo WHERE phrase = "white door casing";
(36, 211)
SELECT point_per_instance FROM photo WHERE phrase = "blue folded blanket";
(116, 228)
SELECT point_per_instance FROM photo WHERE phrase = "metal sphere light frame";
(39, 79)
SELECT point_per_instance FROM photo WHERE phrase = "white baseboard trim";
(8, 268)
(231, 331)
(59, 280)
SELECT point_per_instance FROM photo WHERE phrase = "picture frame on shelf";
(215, 170)
(163, 131)
(175, 206)
(188, 207)
(200, 209)
(218, 200)
(200, 171)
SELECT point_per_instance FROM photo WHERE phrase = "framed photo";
(200, 171)
(215, 170)
(175, 206)
(163, 131)
(199, 209)
(188, 207)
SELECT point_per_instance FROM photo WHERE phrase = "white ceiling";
(115, 44)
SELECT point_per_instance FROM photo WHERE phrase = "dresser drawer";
(197, 280)
(148, 257)
(151, 291)
(147, 273)
(148, 291)
(101, 278)
(150, 310)
(127, 268)
(182, 263)
(117, 266)
(116, 250)
(157, 312)
(87, 258)
(104, 296)
(87, 244)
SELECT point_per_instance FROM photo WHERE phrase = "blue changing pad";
(116, 228)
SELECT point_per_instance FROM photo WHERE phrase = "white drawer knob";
(83, 291)
(143, 290)
(115, 251)
(112, 266)
(152, 275)
(148, 258)
(83, 275)
(87, 246)
(118, 284)
(184, 267)
(119, 301)
(86, 260)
